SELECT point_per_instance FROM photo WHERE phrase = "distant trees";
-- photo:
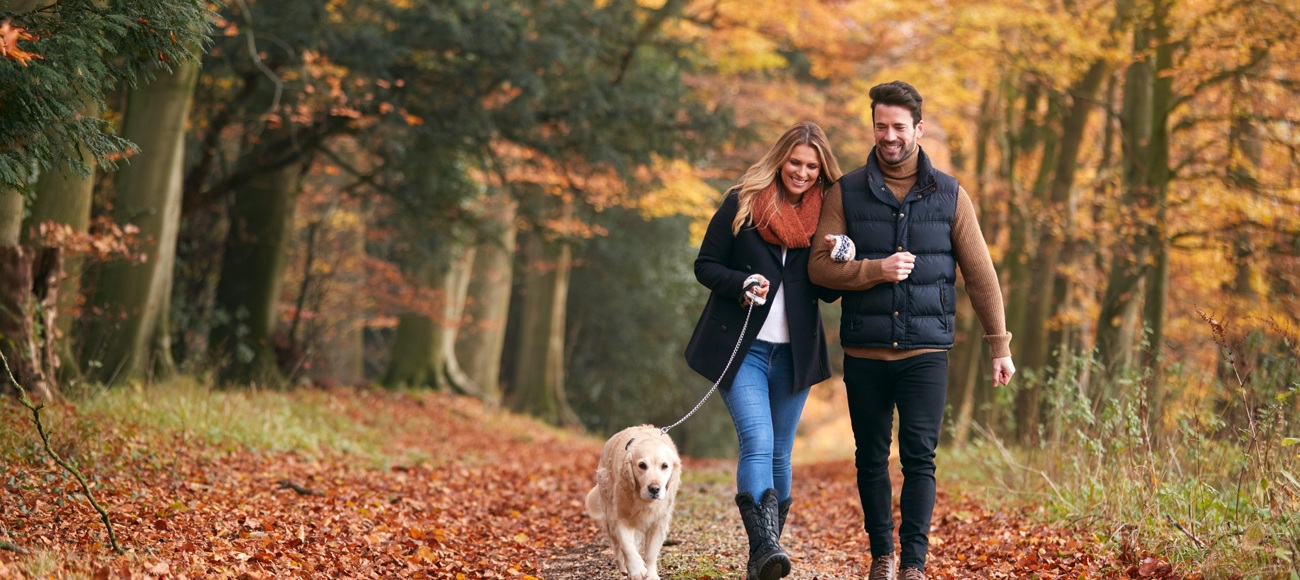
(490, 197)
(60, 61)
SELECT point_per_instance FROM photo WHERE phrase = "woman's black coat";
(725, 261)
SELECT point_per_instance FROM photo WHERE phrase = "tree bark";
(1048, 283)
(248, 292)
(64, 197)
(424, 349)
(28, 293)
(453, 318)
(537, 385)
(11, 217)
(338, 353)
(1129, 253)
(135, 296)
(481, 341)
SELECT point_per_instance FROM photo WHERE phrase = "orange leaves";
(473, 493)
(9, 37)
(106, 240)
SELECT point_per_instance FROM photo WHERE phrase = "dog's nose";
(654, 489)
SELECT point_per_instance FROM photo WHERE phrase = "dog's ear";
(675, 481)
(629, 475)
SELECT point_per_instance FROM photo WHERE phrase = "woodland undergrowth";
(1214, 482)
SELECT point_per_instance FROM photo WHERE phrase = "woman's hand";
(759, 290)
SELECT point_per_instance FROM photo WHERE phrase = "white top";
(776, 328)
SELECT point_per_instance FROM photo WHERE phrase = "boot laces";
(882, 568)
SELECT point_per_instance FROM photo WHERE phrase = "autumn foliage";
(437, 486)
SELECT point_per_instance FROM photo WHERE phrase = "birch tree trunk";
(135, 296)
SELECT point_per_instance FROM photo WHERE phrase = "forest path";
(449, 488)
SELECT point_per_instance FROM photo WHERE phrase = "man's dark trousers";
(918, 387)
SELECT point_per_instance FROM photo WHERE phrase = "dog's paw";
(640, 574)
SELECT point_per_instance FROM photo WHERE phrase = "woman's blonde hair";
(762, 174)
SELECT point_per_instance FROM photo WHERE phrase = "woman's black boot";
(767, 561)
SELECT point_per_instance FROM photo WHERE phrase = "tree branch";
(1257, 56)
(45, 438)
(648, 29)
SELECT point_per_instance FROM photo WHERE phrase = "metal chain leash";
(724, 372)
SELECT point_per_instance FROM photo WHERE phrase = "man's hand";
(898, 267)
(1003, 368)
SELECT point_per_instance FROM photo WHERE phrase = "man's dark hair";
(896, 93)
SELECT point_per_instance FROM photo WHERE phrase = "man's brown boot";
(910, 573)
(882, 568)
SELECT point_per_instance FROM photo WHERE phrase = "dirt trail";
(466, 492)
(825, 539)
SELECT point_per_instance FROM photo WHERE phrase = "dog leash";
(748, 312)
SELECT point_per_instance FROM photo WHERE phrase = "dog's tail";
(595, 508)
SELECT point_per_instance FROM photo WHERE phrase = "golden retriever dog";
(636, 487)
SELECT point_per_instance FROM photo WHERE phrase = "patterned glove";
(843, 250)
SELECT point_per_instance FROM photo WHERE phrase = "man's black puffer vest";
(919, 312)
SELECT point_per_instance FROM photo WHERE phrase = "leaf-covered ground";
(461, 491)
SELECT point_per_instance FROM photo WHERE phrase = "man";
(906, 227)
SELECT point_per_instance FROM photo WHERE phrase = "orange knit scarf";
(780, 224)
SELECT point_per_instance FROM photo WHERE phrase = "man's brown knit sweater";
(969, 249)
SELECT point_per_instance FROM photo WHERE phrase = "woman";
(759, 241)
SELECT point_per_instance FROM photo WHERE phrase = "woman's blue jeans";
(765, 406)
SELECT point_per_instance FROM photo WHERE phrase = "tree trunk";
(424, 349)
(63, 197)
(415, 358)
(1157, 288)
(537, 385)
(481, 341)
(338, 354)
(1048, 284)
(248, 293)
(963, 381)
(453, 318)
(134, 296)
(11, 217)
(27, 294)
(1131, 250)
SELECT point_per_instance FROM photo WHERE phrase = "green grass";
(273, 421)
(1224, 504)
(685, 565)
(304, 422)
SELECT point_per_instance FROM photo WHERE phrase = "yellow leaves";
(9, 37)
(681, 192)
(746, 51)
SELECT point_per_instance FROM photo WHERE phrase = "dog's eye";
(664, 466)
(641, 465)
